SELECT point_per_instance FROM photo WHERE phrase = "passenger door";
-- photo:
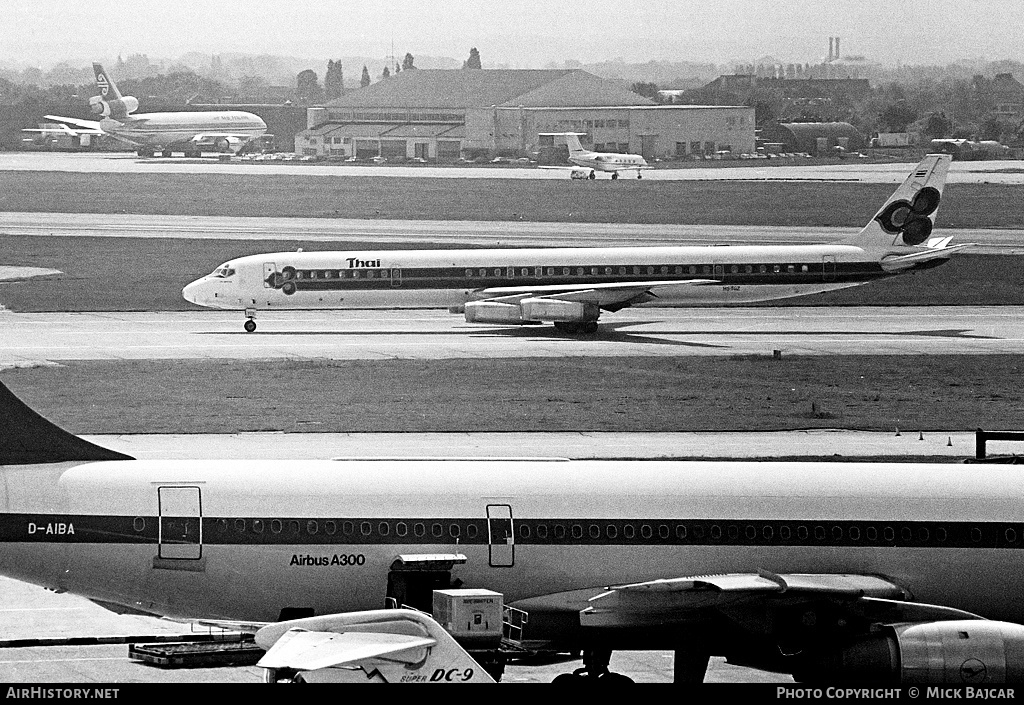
(181, 523)
(828, 268)
(500, 536)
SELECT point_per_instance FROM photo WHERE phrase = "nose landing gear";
(250, 320)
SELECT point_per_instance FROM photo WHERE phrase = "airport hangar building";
(444, 115)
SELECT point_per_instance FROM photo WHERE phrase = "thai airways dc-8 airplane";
(220, 130)
(572, 286)
(845, 572)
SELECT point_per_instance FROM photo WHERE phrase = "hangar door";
(648, 146)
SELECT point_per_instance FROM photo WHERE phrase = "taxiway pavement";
(31, 339)
(787, 169)
(455, 232)
(939, 446)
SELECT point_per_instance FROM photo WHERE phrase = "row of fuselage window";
(532, 531)
(590, 271)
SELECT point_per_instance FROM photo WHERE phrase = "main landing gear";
(593, 175)
(594, 672)
(573, 328)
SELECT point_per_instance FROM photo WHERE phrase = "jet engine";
(558, 310)
(531, 311)
(494, 312)
(120, 108)
(960, 652)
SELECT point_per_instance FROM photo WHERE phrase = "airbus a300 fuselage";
(258, 540)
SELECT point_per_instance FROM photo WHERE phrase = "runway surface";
(789, 169)
(51, 338)
(453, 232)
(942, 446)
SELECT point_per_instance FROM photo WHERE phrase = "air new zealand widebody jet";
(570, 287)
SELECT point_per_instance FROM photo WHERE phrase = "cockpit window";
(224, 271)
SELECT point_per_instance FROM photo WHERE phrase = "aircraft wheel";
(593, 175)
(639, 176)
(588, 328)
(615, 175)
(568, 679)
(250, 326)
(614, 679)
(165, 153)
(145, 153)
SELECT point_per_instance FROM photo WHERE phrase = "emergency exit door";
(181, 523)
(269, 270)
(500, 536)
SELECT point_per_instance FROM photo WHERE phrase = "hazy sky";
(520, 33)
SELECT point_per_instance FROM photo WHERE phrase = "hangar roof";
(475, 88)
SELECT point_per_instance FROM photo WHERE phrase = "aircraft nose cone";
(193, 292)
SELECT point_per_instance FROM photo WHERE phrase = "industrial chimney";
(837, 47)
(831, 43)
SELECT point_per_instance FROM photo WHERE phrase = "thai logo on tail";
(910, 219)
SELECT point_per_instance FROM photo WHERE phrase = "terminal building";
(445, 115)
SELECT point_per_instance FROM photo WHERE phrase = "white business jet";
(593, 162)
(884, 573)
(570, 287)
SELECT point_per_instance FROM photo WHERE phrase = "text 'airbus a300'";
(832, 572)
(572, 286)
(191, 132)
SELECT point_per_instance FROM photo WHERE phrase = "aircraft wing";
(305, 650)
(611, 295)
(749, 595)
(92, 126)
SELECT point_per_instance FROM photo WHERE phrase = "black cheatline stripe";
(457, 279)
(537, 532)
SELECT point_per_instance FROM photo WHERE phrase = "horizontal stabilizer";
(29, 439)
(308, 651)
(895, 263)
(92, 125)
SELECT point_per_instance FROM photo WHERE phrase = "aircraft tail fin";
(572, 140)
(110, 103)
(907, 217)
(108, 89)
(26, 438)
